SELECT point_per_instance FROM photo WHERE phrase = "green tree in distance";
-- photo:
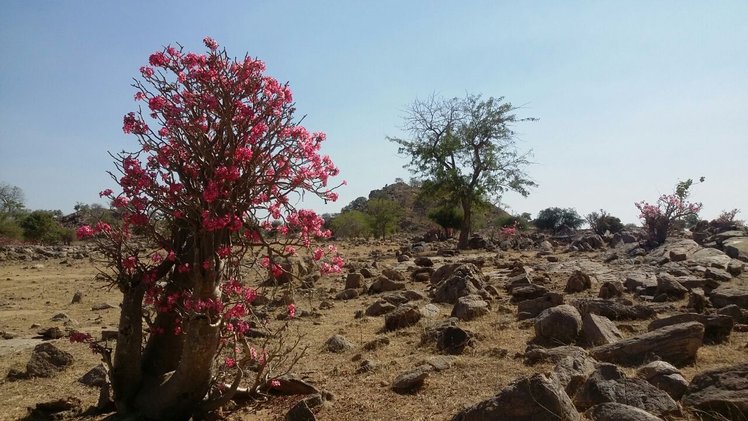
(467, 148)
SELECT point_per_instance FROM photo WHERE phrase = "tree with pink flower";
(658, 218)
(212, 186)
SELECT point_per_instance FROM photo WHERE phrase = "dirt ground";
(31, 293)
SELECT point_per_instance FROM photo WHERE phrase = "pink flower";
(158, 59)
(291, 310)
(275, 383)
(210, 43)
(230, 362)
(106, 192)
(84, 232)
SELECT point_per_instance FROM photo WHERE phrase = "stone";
(723, 391)
(453, 340)
(50, 333)
(669, 285)
(578, 282)
(611, 289)
(529, 309)
(393, 274)
(572, 371)
(290, 384)
(423, 261)
(409, 381)
(697, 300)
(676, 344)
(710, 257)
(717, 328)
(537, 354)
(402, 317)
(613, 411)
(429, 311)
(665, 377)
(379, 308)
(730, 294)
(533, 398)
(376, 344)
(470, 307)
(347, 294)
(464, 280)
(47, 360)
(717, 274)
(338, 344)
(640, 282)
(354, 280)
(527, 292)
(439, 362)
(96, 377)
(300, 412)
(609, 384)
(558, 325)
(737, 248)
(517, 280)
(599, 330)
(614, 309)
(101, 306)
(385, 284)
(737, 314)
(77, 297)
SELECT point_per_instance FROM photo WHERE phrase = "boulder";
(354, 280)
(612, 411)
(717, 327)
(665, 377)
(717, 274)
(639, 282)
(385, 284)
(529, 309)
(578, 282)
(393, 274)
(667, 284)
(572, 371)
(423, 261)
(379, 308)
(599, 330)
(402, 317)
(611, 289)
(730, 294)
(620, 309)
(558, 325)
(46, 361)
(723, 391)
(338, 343)
(470, 307)
(453, 340)
(409, 381)
(609, 384)
(534, 398)
(524, 292)
(347, 294)
(466, 279)
(676, 344)
(737, 248)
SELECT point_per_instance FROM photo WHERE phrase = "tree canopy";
(466, 148)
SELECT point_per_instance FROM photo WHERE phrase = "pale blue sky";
(631, 96)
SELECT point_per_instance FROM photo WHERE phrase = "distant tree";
(603, 222)
(12, 210)
(516, 221)
(556, 219)
(384, 215)
(449, 218)
(351, 224)
(43, 227)
(466, 147)
(661, 218)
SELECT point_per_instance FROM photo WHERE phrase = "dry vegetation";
(32, 292)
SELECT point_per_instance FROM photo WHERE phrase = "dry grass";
(31, 296)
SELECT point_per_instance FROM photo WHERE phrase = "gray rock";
(338, 344)
(96, 377)
(614, 309)
(611, 289)
(393, 274)
(470, 307)
(453, 340)
(669, 285)
(738, 315)
(47, 360)
(354, 280)
(534, 398)
(529, 309)
(409, 381)
(599, 330)
(524, 292)
(612, 411)
(402, 317)
(559, 325)
(717, 328)
(101, 306)
(737, 248)
(640, 281)
(464, 280)
(429, 311)
(300, 412)
(717, 274)
(379, 308)
(578, 282)
(723, 391)
(347, 294)
(665, 377)
(77, 297)
(423, 261)
(385, 284)
(730, 294)
(676, 344)
(572, 371)
(609, 384)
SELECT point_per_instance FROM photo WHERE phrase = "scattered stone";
(384, 284)
(60, 317)
(611, 289)
(77, 297)
(640, 282)
(609, 384)
(51, 333)
(614, 309)
(380, 307)
(558, 325)
(717, 328)
(676, 344)
(536, 354)
(578, 282)
(46, 361)
(697, 300)
(429, 311)
(113, 334)
(529, 309)
(613, 411)
(439, 362)
(465, 279)
(347, 294)
(96, 377)
(300, 412)
(524, 292)
(376, 344)
(664, 376)
(717, 274)
(366, 366)
(101, 306)
(470, 307)
(423, 261)
(668, 285)
(723, 391)
(730, 294)
(354, 280)
(409, 381)
(67, 408)
(572, 371)
(338, 344)
(403, 316)
(599, 330)
(290, 384)
(534, 398)
(393, 274)
(737, 248)
(737, 314)
(453, 340)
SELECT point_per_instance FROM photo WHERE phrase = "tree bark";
(126, 368)
(465, 227)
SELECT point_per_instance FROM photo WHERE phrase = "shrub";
(603, 222)
(384, 215)
(449, 218)
(557, 219)
(520, 222)
(351, 224)
(659, 218)
(41, 226)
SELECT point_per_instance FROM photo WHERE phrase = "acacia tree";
(384, 214)
(211, 188)
(467, 149)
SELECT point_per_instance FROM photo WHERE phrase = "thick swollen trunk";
(462, 244)
(126, 373)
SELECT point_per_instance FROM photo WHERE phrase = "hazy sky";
(631, 96)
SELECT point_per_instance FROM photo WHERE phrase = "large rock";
(664, 376)
(531, 308)
(385, 284)
(465, 279)
(640, 282)
(711, 257)
(47, 360)
(572, 371)
(558, 325)
(737, 248)
(599, 330)
(730, 294)
(717, 327)
(409, 381)
(609, 384)
(614, 309)
(676, 344)
(379, 308)
(527, 292)
(534, 398)
(393, 274)
(611, 289)
(723, 391)
(338, 343)
(578, 282)
(612, 411)
(470, 307)
(354, 280)
(667, 284)
(403, 316)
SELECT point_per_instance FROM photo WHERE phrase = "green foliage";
(521, 222)
(42, 226)
(351, 224)
(358, 204)
(556, 219)
(9, 228)
(603, 222)
(447, 217)
(384, 215)
(465, 148)
(12, 211)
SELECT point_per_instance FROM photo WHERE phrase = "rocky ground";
(585, 328)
